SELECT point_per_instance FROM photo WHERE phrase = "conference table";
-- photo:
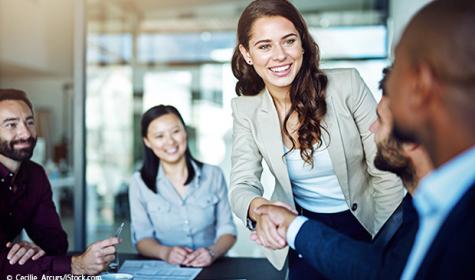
(231, 268)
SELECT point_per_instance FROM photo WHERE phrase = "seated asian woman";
(179, 206)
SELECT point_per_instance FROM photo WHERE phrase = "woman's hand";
(177, 255)
(23, 251)
(267, 233)
(280, 216)
(199, 258)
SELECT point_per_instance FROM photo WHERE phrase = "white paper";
(151, 269)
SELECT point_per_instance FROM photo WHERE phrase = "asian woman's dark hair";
(151, 162)
(307, 93)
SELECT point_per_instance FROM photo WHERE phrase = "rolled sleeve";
(224, 224)
(141, 226)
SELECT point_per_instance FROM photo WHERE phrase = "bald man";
(431, 93)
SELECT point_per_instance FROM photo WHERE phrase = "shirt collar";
(433, 195)
(5, 174)
(161, 174)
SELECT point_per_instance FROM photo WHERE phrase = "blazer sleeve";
(387, 187)
(246, 167)
(335, 255)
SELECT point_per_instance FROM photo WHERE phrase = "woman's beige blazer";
(371, 195)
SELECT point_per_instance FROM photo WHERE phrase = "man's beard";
(389, 157)
(7, 149)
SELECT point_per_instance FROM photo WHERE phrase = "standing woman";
(179, 207)
(312, 129)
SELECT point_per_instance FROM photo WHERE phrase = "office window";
(109, 144)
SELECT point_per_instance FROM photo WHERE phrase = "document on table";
(157, 270)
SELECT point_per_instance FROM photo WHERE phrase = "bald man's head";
(442, 35)
(432, 84)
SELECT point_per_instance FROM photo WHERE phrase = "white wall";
(37, 34)
(400, 12)
(36, 55)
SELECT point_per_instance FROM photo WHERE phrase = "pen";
(114, 265)
(119, 230)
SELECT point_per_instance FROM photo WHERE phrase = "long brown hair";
(307, 92)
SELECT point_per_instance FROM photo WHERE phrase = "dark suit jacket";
(337, 256)
(452, 253)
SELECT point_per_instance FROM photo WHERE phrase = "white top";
(315, 189)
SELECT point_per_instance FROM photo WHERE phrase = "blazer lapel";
(267, 124)
(268, 131)
(335, 146)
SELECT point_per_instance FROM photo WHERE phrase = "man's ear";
(408, 147)
(425, 84)
(245, 54)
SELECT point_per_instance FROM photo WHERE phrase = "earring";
(250, 62)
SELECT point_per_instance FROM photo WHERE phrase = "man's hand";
(96, 258)
(280, 217)
(23, 251)
(177, 255)
(199, 258)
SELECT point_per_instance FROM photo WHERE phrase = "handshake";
(272, 221)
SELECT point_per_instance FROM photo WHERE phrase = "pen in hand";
(114, 265)
(119, 230)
